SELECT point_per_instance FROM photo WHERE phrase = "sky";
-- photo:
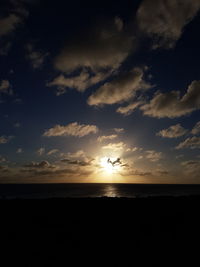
(98, 91)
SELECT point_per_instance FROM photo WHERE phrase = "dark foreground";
(104, 231)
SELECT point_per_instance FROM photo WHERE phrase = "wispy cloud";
(72, 129)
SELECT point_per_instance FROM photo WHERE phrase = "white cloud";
(80, 154)
(72, 129)
(115, 146)
(127, 110)
(191, 142)
(154, 156)
(120, 89)
(119, 130)
(196, 129)
(164, 20)
(173, 131)
(172, 105)
(53, 151)
(81, 82)
(133, 149)
(106, 137)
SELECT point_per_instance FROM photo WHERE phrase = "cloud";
(41, 151)
(5, 48)
(173, 131)
(74, 169)
(17, 125)
(105, 45)
(162, 172)
(16, 12)
(42, 164)
(191, 142)
(115, 146)
(134, 149)
(191, 168)
(81, 82)
(36, 57)
(5, 87)
(5, 139)
(19, 151)
(190, 163)
(9, 24)
(72, 129)
(106, 137)
(119, 130)
(164, 20)
(135, 172)
(172, 105)
(78, 158)
(196, 129)
(153, 155)
(2, 159)
(122, 88)
(80, 154)
(53, 151)
(127, 110)
(77, 162)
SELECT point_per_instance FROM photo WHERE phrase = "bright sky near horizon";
(92, 91)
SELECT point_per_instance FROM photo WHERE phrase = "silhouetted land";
(105, 231)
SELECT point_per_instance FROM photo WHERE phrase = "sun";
(110, 165)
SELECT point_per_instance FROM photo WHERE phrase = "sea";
(49, 191)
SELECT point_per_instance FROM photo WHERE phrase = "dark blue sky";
(82, 82)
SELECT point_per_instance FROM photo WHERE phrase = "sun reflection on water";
(110, 191)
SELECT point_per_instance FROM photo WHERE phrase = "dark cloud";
(9, 24)
(105, 45)
(164, 20)
(77, 162)
(135, 172)
(42, 164)
(35, 57)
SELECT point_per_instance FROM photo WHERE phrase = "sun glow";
(110, 165)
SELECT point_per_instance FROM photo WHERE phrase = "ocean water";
(46, 191)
